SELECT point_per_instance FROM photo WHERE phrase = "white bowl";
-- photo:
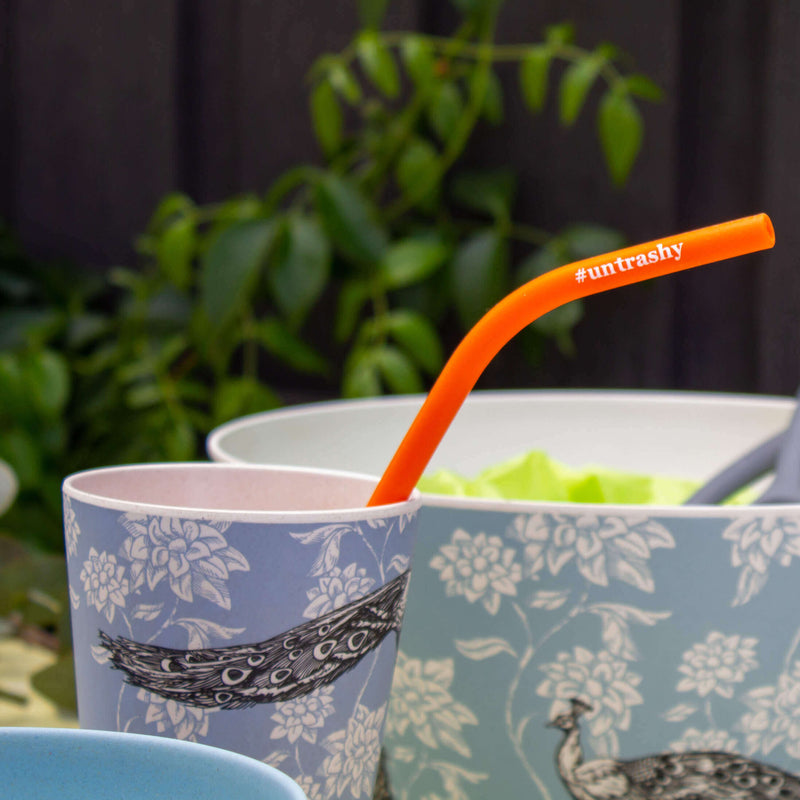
(673, 433)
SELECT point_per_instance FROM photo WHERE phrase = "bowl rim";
(678, 397)
(141, 745)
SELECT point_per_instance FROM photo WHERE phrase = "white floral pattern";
(104, 582)
(717, 664)
(704, 741)
(311, 788)
(303, 717)
(640, 618)
(601, 680)
(601, 547)
(174, 719)
(421, 703)
(192, 555)
(757, 544)
(478, 568)
(774, 716)
(354, 754)
(338, 588)
(71, 528)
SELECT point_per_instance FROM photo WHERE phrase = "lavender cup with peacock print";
(256, 609)
(596, 651)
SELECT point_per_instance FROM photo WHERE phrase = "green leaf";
(174, 249)
(558, 323)
(486, 191)
(492, 107)
(174, 204)
(418, 337)
(301, 268)
(534, 71)
(642, 86)
(19, 450)
(167, 310)
(412, 260)
(278, 340)
(621, 132)
(352, 297)
(418, 161)
(16, 288)
(397, 370)
(561, 33)
(607, 51)
(231, 266)
(417, 55)
(236, 209)
(341, 78)
(179, 440)
(575, 84)
(326, 116)
(85, 328)
(238, 396)
(351, 220)
(479, 275)
(360, 375)
(542, 260)
(477, 11)
(445, 106)
(371, 12)
(585, 240)
(24, 327)
(12, 387)
(144, 395)
(378, 63)
(46, 378)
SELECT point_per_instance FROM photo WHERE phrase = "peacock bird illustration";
(668, 776)
(288, 665)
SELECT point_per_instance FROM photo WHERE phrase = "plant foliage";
(346, 271)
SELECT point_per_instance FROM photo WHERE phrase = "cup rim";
(197, 511)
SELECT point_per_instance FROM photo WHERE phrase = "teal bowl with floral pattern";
(556, 650)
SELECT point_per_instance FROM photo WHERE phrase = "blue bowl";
(44, 763)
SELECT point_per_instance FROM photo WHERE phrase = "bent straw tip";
(762, 225)
(768, 229)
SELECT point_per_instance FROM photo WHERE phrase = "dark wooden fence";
(104, 106)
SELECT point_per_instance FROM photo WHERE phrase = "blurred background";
(108, 106)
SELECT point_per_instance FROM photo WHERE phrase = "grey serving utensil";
(785, 486)
(781, 452)
(754, 464)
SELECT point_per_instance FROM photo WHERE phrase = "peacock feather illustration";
(669, 776)
(289, 665)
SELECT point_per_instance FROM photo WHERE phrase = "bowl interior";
(684, 434)
(203, 487)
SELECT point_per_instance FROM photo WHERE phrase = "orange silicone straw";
(537, 297)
